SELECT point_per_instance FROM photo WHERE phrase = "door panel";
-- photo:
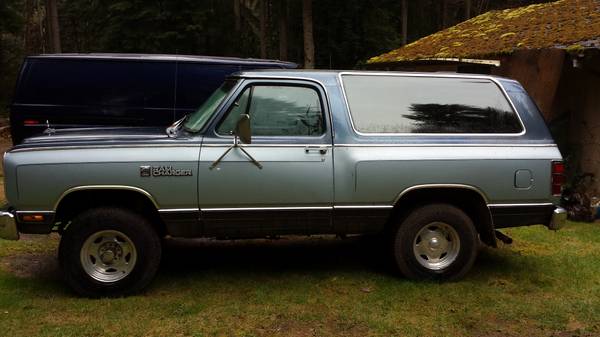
(293, 192)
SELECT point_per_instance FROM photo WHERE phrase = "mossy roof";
(568, 24)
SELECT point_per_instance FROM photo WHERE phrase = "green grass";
(546, 283)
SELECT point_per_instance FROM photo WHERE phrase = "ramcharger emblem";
(163, 171)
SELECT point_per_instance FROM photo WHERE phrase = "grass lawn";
(545, 284)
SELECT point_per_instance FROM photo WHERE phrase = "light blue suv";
(435, 163)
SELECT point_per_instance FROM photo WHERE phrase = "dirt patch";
(35, 257)
(32, 265)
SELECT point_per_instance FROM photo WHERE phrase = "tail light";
(558, 177)
(31, 122)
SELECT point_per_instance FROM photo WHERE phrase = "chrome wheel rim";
(108, 256)
(436, 246)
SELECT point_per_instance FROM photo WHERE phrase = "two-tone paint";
(340, 182)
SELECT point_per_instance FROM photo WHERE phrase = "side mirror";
(243, 130)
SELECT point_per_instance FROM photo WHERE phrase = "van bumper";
(8, 226)
(559, 218)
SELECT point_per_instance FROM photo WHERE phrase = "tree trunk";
(238, 15)
(283, 30)
(444, 13)
(404, 22)
(309, 43)
(52, 24)
(468, 4)
(263, 19)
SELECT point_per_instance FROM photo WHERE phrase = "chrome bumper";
(8, 226)
(559, 218)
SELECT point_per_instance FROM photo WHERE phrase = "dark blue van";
(86, 90)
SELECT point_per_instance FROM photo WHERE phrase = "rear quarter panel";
(379, 174)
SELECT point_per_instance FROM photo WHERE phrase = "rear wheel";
(109, 252)
(437, 241)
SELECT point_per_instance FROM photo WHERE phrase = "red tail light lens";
(558, 177)
(30, 122)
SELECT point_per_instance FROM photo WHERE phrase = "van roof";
(165, 57)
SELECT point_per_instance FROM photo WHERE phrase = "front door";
(290, 189)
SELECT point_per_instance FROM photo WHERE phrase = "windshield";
(198, 119)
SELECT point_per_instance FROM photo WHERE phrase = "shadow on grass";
(182, 257)
(188, 260)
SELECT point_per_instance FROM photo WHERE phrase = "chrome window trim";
(433, 75)
(300, 78)
(427, 186)
(106, 187)
(315, 86)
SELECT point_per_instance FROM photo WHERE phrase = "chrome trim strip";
(176, 210)
(107, 146)
(234, 209)
(417, 187)
(444, 145)
(34, 212)
(105, 187)
(521, 205)
(227, 209)
(432, 75)
(327, 145)
(364, 207)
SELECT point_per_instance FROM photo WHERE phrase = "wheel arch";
(468, 198)
(77, 199)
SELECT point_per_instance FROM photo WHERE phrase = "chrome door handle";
(321, 149)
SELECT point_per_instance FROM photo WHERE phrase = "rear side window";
(403, 104)
(97, 83)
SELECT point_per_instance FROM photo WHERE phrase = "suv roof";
(164, 57)
(320, 74)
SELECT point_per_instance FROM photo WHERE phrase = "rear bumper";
(549, 215)
(8, 226)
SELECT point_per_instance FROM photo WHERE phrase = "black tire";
(136, 228)
(423, 220)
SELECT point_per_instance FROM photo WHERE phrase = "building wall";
(577, 109)
(539, 71)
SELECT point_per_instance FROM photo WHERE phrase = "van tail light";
(31, 122)
(558, 177)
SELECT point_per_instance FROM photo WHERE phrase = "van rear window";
(428, 105)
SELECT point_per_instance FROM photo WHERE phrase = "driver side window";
(277, 111)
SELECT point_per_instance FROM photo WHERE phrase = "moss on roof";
(569, 24)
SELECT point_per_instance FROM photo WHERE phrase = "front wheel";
(109, 252)
(437, 241)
